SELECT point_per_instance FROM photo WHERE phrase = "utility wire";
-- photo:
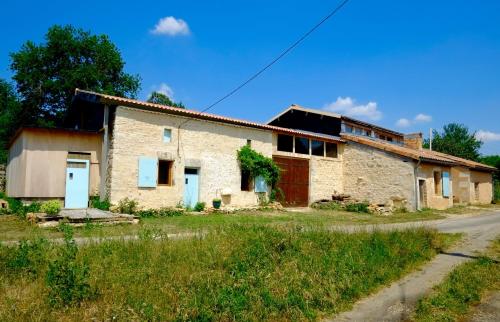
(275, 60)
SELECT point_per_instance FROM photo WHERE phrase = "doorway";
(191, 187)
(77, 184)
(422, 193)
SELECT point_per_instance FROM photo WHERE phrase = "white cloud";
(423, 118)
(487, 136)
(171, 26)
(403, 122)
(348, 107)
(419, 118)
(164, 89)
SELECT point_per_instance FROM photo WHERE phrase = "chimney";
(413, 141)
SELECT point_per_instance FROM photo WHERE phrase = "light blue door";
(191, 187)
(77, 184)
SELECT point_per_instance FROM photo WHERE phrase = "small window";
(167, 135)
(165, 172)
(331, 150)
(389, 139)
(348, 129)
(476, 191)
(301, 145)
(246, 181)
(285, 143)
(317, 148)
(437, 183)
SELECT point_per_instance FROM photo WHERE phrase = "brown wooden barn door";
(294, 181)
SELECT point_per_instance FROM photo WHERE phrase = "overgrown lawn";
(241, 272)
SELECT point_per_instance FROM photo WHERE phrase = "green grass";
(13, 228)
(462, 289)
(241, 272)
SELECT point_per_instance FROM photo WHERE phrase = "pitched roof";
(331, 114)
(115, 100)
(422, 155)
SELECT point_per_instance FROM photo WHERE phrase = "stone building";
(118, 148)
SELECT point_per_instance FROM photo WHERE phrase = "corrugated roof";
(423, 155)
(115, 100)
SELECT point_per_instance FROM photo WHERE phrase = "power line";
(275, 60)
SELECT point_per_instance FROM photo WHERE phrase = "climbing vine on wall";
(257, 164)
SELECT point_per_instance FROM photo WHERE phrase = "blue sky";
(407, 65)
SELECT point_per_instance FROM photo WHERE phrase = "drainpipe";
(415, 174)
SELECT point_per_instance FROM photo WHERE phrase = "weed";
(30, 257)
(96, 202)
(161, 212)
(127, 206)
(357, 207)
(330, 205)
(67, 279)
(51, 207)
(200, 206)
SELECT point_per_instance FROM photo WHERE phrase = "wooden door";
(294, 182)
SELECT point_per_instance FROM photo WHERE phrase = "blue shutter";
(260, 184)
(446, 184)
(148, 171)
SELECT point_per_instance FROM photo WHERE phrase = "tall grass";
(237, 273)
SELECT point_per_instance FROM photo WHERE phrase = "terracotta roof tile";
(424, 155)
(110, 99)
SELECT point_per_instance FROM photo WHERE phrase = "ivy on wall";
(257, 164)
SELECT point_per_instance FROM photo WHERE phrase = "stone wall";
(3, 177)
(433, 200)
(325, 178)
(209, 146)
(481, 184)
(378, 177)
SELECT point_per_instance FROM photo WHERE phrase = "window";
(331, 150)
(167, 135)
(249, 142)
(358, 131)
(317, 148)
(285, 143)
(348, 129)
(301, 145)
(437, 183)
(165, 172)
(389, 139)
(476, 191)
(246, 181)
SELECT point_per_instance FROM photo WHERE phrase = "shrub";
(30, 257)
(51, 207)
(200, 206)
(17, 208)
(96, 202)
(330, 205)
(127, 206)
(357, 207)
(67, 278)
(496, 192)
(161, 212)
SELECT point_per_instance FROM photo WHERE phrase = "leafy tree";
(456, 140)
(9, 111)
(494, 161)
(160, 98)
(47, 74)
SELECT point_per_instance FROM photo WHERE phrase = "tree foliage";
(257, 164)
(9, 110)
(160, 98)
(456, 140)
(47, 74)
(494, 161)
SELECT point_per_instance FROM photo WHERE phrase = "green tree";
(494, 161)
(47, 74)
(9, 111)
(456, 140)
(160, 98)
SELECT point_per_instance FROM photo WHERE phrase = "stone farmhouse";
(118, 148)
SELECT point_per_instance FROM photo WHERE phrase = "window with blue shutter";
(260, 184)
(148, 171)
(446, 184)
